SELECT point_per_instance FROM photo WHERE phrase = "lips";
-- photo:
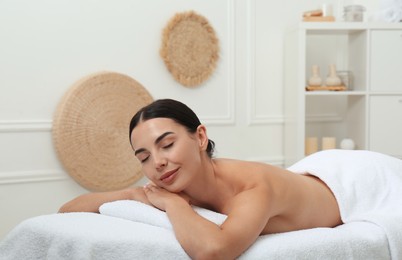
(169, 176)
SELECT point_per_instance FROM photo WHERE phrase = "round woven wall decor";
(90, 130)
(190, 48)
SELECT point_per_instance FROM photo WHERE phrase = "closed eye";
(144, 160)
(168, 146)
(142, 155)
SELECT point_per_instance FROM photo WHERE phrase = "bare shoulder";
(253, 171)
(254, 181)
(266, 183)
(288, 199)
(244, 166)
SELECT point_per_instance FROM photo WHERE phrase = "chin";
(173, 189)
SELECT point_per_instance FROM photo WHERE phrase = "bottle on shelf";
(315, 79)
(332, 79)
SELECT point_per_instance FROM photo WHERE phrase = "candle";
(311, 145)
(328, 143)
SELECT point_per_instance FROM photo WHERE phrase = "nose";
(160, 162)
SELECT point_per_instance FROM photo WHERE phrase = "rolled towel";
(143, 213)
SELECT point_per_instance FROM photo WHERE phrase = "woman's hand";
(138, 194)
(159, 197)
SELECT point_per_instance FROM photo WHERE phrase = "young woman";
(177, 157)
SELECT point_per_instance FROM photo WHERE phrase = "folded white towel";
(367, 186)
(141, 212)
(390, 11)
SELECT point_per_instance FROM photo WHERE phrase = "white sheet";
(88, 236)
(99, 237)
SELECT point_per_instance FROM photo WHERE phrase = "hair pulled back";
(173, 109)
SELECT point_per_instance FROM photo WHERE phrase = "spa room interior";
(273, 82)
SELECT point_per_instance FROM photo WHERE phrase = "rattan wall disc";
(190, 48)
(90, 130)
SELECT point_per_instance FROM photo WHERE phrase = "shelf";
(348, 26)
(344, 28)
(385, 93)
(335, 93)
(367, 112)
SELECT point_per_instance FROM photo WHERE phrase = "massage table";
(101, 236)
(367, 186)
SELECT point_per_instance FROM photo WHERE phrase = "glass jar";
(354, 13)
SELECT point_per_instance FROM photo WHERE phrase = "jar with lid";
(354, 13)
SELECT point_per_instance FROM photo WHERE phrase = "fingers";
(147, 189)
(150, 186)
(155, 195)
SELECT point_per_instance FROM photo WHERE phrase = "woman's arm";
(92, 201)
(202, 239)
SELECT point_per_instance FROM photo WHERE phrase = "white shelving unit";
(370, 111)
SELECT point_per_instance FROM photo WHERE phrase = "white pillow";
(141, 212)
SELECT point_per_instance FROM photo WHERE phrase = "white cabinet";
(386, 60)
(369, 112)
(386, 124)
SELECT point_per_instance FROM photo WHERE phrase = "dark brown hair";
(173, 109)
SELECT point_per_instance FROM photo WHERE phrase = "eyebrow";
(157, 140)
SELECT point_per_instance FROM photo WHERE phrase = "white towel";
(99, 237)
(88, 236)
(357, 240)
(143, 213)
(367, 186)
(390, 11)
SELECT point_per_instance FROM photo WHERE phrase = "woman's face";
(169, 154)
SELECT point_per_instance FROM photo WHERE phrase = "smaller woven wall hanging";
(90, 130)
(190, 48)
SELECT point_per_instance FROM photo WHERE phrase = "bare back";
(296, 201)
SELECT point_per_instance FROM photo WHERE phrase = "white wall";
(47, 45)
